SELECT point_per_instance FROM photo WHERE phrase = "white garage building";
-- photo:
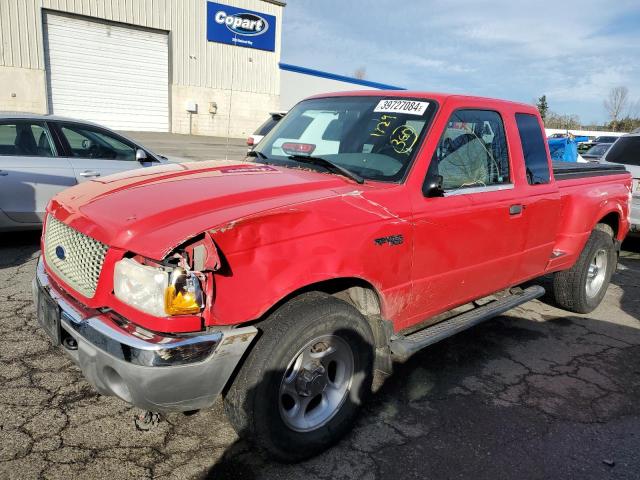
(162, 65)
(182, 66)
(103, 72)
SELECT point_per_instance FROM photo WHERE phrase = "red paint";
(279, 230)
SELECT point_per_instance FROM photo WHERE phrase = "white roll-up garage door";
(109, 74)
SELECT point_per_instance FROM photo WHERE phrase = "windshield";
(626, 151)
(267, 125)
(374, 137)
(599, 149)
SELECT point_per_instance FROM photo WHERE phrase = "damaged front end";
(152, 370)
(181, 284)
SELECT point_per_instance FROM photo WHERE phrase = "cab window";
(87, 142)
(472, 151)
(533, 148)
(626, 151)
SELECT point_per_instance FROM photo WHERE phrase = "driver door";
(94, 152)
(468, 241)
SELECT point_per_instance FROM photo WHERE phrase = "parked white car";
(41, 155)
(262, 130)
(626, 151)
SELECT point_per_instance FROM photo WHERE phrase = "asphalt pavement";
(538, 393)
(185, 148)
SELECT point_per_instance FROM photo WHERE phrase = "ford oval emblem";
(60, 253)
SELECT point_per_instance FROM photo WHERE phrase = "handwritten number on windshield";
(383, 124)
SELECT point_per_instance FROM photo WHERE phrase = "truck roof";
(440, 97)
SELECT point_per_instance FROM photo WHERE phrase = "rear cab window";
(625, 151)
(266, 126)
(533, 149)
(373, 136)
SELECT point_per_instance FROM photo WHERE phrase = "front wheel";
(300, 388)
(581, 288)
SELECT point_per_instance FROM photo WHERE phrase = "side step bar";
(405, 346)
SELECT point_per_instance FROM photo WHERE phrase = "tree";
(634, 109)
(543, 107)
(615, 103)
(564, 121)
(627, 124)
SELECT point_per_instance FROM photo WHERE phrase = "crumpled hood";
(150, 211)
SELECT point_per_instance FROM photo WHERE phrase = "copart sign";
(244, 28)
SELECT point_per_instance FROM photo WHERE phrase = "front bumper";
(155, 372)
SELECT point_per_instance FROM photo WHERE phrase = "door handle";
(89, 174)
(515, 209)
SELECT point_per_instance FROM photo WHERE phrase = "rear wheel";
(581, 288)
(300, 388)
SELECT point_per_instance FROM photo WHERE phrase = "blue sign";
(236, 26)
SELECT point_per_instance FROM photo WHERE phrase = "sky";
(573, 52)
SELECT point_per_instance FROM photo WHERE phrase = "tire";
(576, 289)
(300, 388)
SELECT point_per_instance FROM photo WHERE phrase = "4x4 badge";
(391, 240)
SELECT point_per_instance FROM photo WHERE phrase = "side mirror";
(141, 155)
(432, 186)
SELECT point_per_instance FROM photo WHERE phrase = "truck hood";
(150, 211)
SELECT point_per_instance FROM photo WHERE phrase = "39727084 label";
(412, 107)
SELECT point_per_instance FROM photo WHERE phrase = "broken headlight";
(157, 290)
(183, 296)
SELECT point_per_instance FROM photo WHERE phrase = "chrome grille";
(79, 258)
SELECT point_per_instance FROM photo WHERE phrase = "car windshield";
(599, 149)
(373, 137)
(626, 151)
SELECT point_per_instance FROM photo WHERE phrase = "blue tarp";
(565, 149)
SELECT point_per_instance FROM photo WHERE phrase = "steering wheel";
(99, 151)
(94, 150)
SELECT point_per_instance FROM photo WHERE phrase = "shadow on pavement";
(545, 396)
(18, 247)
(628, 276)
(239, 459)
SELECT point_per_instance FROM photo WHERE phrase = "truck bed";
(571, 170)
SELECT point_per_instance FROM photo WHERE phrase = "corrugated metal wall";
(194, 61)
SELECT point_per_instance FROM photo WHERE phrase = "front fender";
(267, 257)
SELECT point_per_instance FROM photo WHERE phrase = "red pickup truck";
(366, 226)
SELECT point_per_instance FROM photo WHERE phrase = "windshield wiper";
(329, 165)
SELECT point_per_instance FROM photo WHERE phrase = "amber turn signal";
(183, 296)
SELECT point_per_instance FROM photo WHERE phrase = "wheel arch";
(613, 220)
(360, 293)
